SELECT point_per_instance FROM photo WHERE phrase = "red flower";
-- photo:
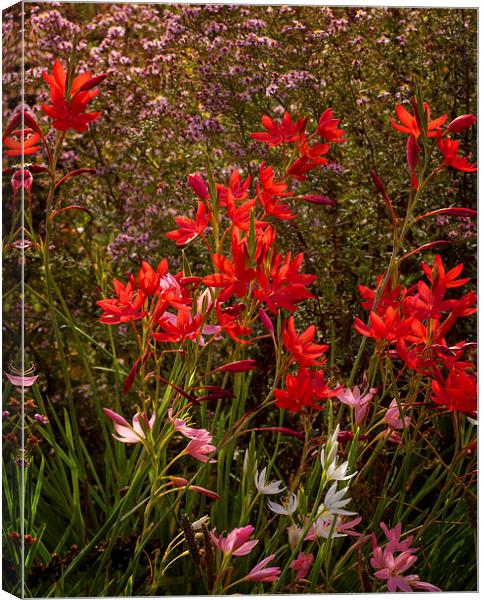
(189, 229)
(449, 149)
(231, 323)
(409, 123)
(442, 280)
(26, 143)
(270, 192)
(458, 392)
(148, 279)
(304, 390)
(279, 133)
(285, 286)
(389, 297)
(240, 216)
(233, 276)
(127, 306)
(301, 347)
(236, 191)
(184, 327)
(390, 326)
(68, 107)
(328, 127)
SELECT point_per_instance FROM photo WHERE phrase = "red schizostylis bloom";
(442, 280)
(409, 123)
(189, 229)
(233, 275)
(236, 191)
(457, 392)
(390, 296)
(449, 149)
(148, 279)
(127, 306)
(67, 108)
(265, 240)
(304, 390)
(27, 142)
(328, 127)
(283, 287)
(230, 321)
(390, 326)
(301, 346)
(185, 327)
(278, 133)
(270, 192)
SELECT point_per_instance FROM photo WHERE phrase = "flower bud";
(460, 123)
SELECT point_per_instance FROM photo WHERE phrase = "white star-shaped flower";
(338, 473)
(334, 502)
(264, 487)
(289, 506)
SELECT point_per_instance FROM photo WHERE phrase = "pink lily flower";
(129, 434)
(189, 432)
(392, 568)
(361, 404)
(260, 573)
(237, 541)
(393, 537)
(302, 564)
(200, 449)
(392, 417)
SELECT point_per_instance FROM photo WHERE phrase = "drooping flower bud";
(460, 123)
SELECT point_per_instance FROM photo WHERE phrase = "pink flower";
(302, 564)
(260, 573)
(130, 434)
(391, 568)
(189, 432)
(393, 537)
(237, 541)
(200, 449)
(360, 403)
(392, 417)
(22, 380)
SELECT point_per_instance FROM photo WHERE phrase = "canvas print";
(239, 299)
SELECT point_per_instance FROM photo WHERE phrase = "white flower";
(264, 487)
(289, 506)
(472, 421)
(322, 528)
(329, 452)
(338, 473)
(333, 503)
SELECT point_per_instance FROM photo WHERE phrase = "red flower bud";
(198, 186)
(93, 82)
(265, 320)
(460, 123)
(238, 366)
(22, 178)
